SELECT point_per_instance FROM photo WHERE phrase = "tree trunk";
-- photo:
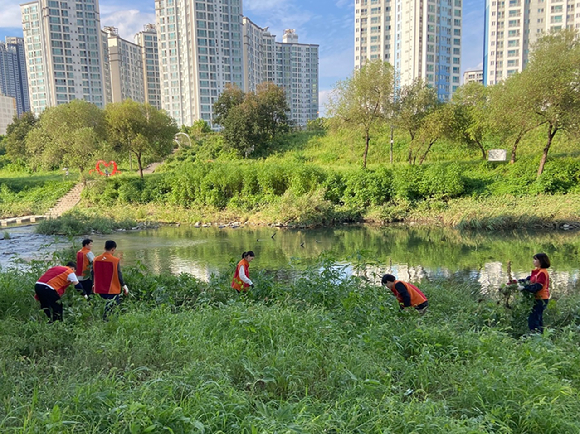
(140, 164)
(514, 148)
(368, 139)
(551, 134)
(482, 149)
(426, 152)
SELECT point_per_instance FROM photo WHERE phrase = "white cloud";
(323, 96)
(128, 22)
(261, 5)
(10, 16)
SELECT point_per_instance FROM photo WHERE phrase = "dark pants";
(49, 302)
(113, 300)
(536, 318)
(422, 307)
(87, 286)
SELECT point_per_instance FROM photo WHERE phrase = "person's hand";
(522, 281)
(125, 290)
(86, 296)
(252, 286)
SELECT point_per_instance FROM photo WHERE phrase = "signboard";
(497, 155)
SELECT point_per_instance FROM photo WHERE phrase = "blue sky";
(329, 23)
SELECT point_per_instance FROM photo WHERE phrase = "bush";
(74, 223)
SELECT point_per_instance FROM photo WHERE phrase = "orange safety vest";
(57, 278)
(105, 275)
(237, 283)
(417, 297)
(83, 263)
(544, 293)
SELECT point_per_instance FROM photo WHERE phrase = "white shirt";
(243, 277)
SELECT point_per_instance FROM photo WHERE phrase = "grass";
(314, 355)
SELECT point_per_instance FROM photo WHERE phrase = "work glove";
(125, 290)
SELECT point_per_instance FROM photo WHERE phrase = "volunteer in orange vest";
(538, 283)
(407, 294)
(107, 277)
(241, 281)
(51, 286)
(84, 272)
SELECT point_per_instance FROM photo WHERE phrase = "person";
(407, 294)
(241, 281)
(107, 277)
(51, 286)
(538, 283)
(84, 270)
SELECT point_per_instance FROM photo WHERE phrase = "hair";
(110, 244)
(387, 278)
(544, 260)
(248, 253)
(87, 241)
(71, 264)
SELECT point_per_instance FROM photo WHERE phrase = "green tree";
(364, 101)
(469, 107)
(510, 114)
(72, 134)
(251, 120)
(16, 133)
(140, 130)
(437, 124)
(552, 83)
(415, 103)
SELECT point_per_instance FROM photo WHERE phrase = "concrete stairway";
(67, 202)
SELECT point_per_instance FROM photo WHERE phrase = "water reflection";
(411, 253)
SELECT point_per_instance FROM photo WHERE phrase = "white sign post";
(497, 155)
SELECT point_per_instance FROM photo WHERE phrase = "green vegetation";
(317, 354)
(74, 223)
(23, 194)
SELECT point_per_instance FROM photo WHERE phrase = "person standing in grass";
(51, 286)
(107, 277)
(241, 281)
(538, 283)
(84, 272)
(406, 293)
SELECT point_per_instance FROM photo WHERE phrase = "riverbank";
(315, 354)
(493, 213)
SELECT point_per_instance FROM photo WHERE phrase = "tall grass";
(317, 354)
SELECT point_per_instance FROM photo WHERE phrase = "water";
(411, 253)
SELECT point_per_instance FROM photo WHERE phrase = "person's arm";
(72, 277)
(402, 290)
(121, 281)
(91, 257)
(243, 277)
(535, 287)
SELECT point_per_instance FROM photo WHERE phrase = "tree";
(68, 134)
(364, 101)
(510, 115)
(415, 103)
(437, 124)
(16, 133)
(469, 107)
(250, 120)
(552, 82)
(140, 130)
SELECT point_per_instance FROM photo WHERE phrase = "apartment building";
(64, 54)
(200, 51)
(7, 112)
(513, 26)
(147, 40)
(13, 76)
(475, 75)
(420, 38)
(125, 68)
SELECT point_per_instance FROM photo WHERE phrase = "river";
(410, 252)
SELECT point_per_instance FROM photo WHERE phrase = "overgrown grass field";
(318, 354)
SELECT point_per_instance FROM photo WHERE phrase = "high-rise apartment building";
(420, 38)
(125, 68)
(64, 56)
(297, 74)
(513, 26)
(200, 51)
(288, 64)
(147, 40)
(7, 112)
(13, 76)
